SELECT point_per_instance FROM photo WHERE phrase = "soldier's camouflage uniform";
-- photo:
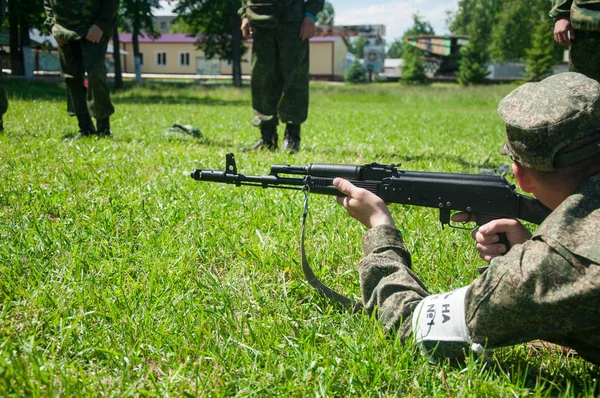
(585, 48)
(71, 20)
(546, 288)
(280, 59)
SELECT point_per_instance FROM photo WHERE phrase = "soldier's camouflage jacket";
(547, 288)
(73, 18)
(584, 14)
(293, 10)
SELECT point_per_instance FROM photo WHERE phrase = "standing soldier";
(281, 29)
(82, 29)
(577, 24)
(3, 99)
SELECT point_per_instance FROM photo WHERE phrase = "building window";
(163, 26)
(161, 59)
(184, 59)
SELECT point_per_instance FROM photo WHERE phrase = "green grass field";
(120, 275)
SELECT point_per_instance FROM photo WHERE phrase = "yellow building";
(175, 53)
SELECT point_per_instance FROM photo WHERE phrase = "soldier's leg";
(585, 54)
(266, 83)
(293, 104)
(3, 103)
(72, 68)
(98, 93)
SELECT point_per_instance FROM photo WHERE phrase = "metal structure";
(440, 53)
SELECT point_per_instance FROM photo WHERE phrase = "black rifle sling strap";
(325, 290)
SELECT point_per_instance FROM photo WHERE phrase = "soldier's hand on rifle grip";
(363, 205)
(487, 236)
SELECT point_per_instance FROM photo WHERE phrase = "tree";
(540, 56)
(395, 50)
(22, 16)
(117, 58)
(139, 18)
(413, 71)
(327, 15)
(218, 26)
(511, 32)
(355, 73)
(356, 46)
(474, 57)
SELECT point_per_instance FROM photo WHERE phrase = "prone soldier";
(546, 284)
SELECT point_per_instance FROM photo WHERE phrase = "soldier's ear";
(524, 178)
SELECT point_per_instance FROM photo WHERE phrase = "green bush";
(356, 73)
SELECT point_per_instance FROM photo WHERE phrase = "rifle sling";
(319, 286)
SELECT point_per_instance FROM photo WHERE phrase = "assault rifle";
(487, 197)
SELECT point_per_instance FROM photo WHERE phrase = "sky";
(396, 15)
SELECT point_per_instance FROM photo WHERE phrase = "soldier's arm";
(314, 6)
(242, 10)
(560, 9)
(50, 20)
(108, 13)
(533, 292)
(386, 280)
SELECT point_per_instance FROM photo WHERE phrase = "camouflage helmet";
(543, 118)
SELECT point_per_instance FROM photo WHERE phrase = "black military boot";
(291, 140)
(268, 139)
(86, 126)
(104, 128)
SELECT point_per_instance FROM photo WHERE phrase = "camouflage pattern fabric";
(546, 288)
(279, 79)
(542, 118)
(73, 18)
(584, 55)
(3, 98)
(293, 10)
(76, 58)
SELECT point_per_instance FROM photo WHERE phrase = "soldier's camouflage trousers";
(280, 74)
(76, 59)
(585, 54)
(3, 98)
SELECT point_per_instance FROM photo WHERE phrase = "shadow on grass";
(570, 377)
(175, 93)
(403, 159)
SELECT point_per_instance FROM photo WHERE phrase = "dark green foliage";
(356, 73)
(327, 16)
(395, 50)
(356, 46)
(419, 27)
(412, 71)
(506, 30)
(212, 20)
(138, 16)
(472, 67)
(540, 56)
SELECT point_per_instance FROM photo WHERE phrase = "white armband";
(441, 318)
